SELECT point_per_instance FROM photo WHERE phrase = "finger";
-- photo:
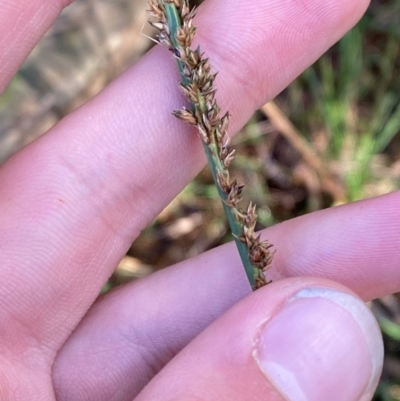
(354, 244)
(297, 340)
(133, 332)
(22, 24)
(75, 199)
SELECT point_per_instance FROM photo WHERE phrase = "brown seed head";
(158, 25)
(185, 10)
(204, 135)
(156, 12)
(200, 92)
(228, 159)
(225, 123)
(185, 116)
(224, 181)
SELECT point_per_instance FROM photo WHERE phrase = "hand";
(73, 201)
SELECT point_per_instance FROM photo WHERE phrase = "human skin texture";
(73, 201)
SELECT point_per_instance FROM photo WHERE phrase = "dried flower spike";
(174, 21)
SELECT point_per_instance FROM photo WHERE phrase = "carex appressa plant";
(174, 21)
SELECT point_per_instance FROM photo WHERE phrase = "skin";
(73, 201)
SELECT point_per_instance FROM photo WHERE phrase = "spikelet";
(174, 21)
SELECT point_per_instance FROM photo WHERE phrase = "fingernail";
(321, 345)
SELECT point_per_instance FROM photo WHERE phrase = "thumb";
(322, 344)
(300, 339)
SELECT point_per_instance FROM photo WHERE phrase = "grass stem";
(174, 21)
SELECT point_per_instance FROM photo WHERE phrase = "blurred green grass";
(352, 96)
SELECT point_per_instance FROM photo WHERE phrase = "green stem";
(211, 150)
(233, 223)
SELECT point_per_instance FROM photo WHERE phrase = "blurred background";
(333, 136)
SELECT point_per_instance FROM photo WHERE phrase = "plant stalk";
(174, 21)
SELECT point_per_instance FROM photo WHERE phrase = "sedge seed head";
(185, 116)
(200, 91)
